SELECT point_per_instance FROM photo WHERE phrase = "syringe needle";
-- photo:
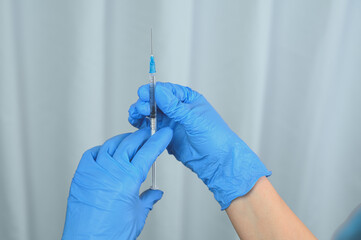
(151, 42)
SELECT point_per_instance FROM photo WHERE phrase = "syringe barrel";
(153, 122)
(153, 125)
(152, 103)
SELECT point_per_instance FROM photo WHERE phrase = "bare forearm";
(262, 214)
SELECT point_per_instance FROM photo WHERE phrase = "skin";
(262, 214)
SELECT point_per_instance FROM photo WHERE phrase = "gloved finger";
(89, 174)
(139, 123)
(155, 145)
(105, 158)
(137, 119)
(150, 197)
(130, 145)
(93, 152)
(170, 104)
(162, 121)
(89, 157)
(184, 94)
(111, 144)
(138, 112)
(142, 107)
(133, 112)
(143, 93)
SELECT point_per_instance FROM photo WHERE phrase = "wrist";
(262, 214)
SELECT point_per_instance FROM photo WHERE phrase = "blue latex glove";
(104, 201)
(202, 141)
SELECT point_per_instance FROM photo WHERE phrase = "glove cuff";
(237, 175)
(224, 203)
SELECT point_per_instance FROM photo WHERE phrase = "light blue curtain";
(285, 75)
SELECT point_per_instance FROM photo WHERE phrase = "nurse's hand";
(104, 201)
(202, 141)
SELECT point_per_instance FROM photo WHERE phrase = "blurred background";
(285, 75)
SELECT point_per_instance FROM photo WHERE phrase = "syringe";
(152, 103)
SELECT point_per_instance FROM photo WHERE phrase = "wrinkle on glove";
(202, 141)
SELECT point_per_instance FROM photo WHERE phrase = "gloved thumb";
(150, 197)
(169, 103)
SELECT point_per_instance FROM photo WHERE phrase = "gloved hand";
(202, 141)
(104, 201)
